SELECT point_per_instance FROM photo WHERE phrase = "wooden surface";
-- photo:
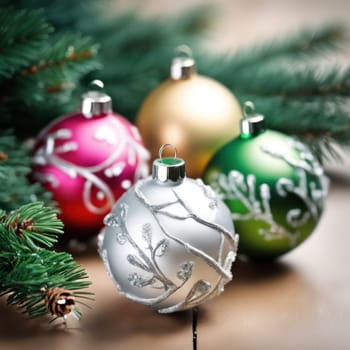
(300, 302)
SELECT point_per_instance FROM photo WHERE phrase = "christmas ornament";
(273, 185)
(193, 112)
(88, 160)
(169, 241)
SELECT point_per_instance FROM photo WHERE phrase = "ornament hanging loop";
(183, 51)
(183, 65)
(248, 109)
(97, 83)
(161, 149)
(252, 123)
(95, 102)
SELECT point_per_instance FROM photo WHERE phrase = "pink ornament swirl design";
(53, 153)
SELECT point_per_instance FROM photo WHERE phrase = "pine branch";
(56, 73)
(311, 102)
(63, 54)
(321, 122)
(28, 272)
(28, 282)
(42, 85)
(135, 51)
(15, 188)
(283, 77)
(294, 80)
(294, 88)
(35, 224)
(21, 35)
(34, 279)
(304, 46)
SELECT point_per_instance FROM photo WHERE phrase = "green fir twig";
(28, 271)
(22, 34)
(47, 69)
(15, 168)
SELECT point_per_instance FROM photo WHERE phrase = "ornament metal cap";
(183, 66)
(94, 103)
(252, 123)
(169, 170)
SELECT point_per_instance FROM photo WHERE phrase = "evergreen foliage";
(21, 36)
(38, 71)
(293, 81)
(27, 268)
(293, 85)
(134, 56)
(15, 187)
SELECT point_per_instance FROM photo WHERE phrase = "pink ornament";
(88, 160)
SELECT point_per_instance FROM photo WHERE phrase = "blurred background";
(238, 23)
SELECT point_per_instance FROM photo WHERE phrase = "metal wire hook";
(161, 149)
(248, 109)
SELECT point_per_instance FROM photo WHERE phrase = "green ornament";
(273, 185)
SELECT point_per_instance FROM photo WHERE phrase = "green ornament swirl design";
(308, 184)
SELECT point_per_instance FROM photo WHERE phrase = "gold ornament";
(195, 113)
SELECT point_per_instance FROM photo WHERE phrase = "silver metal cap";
(170, 170)
(95, 103)
(252, 123)
(183, 66)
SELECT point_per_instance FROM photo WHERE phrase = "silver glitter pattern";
(147, 253)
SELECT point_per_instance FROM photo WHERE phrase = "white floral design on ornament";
(235, 186)
(49, 154)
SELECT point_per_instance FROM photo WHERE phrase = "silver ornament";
(169, 241)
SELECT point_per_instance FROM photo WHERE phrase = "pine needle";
(27, 271)
(22, 32)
